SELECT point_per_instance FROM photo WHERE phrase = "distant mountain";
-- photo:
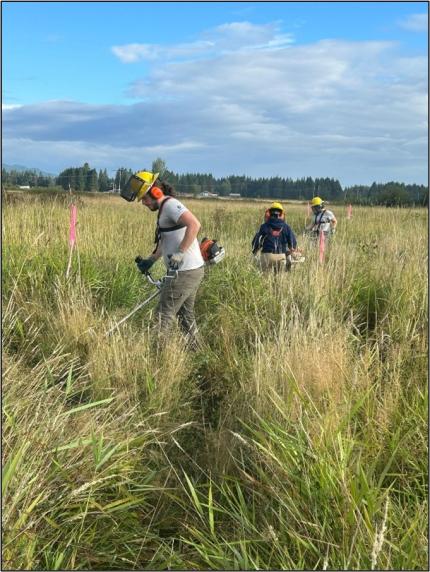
(22, 168)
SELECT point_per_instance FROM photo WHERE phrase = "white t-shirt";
(322, 221)
(170, 241)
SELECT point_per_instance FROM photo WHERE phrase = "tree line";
(79, 179)
(86, 178)
(389, 194)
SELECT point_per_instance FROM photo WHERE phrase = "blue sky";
(266, 88)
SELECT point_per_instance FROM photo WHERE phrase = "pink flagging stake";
(309, 209)
(349, 211)
(72, 231)
(322, 246)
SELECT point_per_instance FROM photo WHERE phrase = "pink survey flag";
(72, 230)
(322, 246)
(349, 211)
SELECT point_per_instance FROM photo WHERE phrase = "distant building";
(234, 195)
(207, 195)
(23, 186)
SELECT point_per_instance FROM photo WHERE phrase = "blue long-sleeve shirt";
(274, 236)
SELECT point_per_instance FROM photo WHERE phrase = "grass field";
(295, 439)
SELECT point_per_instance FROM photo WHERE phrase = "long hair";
(167, 189)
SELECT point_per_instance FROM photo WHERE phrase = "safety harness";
(211, 251)
(160, 229)
(319, 222)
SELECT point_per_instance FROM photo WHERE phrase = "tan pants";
(177, 298)
(275, 262)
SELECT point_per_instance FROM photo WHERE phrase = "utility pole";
(119, 181)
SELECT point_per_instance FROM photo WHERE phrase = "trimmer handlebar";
(170, 275)
(151, 280)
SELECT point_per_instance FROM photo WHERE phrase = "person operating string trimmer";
(175, 241)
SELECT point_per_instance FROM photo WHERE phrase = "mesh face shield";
(138, 185)
(134, 189)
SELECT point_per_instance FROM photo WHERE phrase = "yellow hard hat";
(138, 185)
(148, 181)
(316, 201)
(276, 206)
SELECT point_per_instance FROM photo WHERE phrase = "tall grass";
(296, 438)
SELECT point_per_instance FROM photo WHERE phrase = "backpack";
(272, 241)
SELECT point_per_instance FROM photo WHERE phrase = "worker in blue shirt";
(275, 240)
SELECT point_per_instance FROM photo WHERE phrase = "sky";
(263, 89)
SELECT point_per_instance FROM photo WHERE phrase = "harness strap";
(276, 234)
(320, 222)
(170, 228)
(159, 229)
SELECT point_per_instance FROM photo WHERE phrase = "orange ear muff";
(156, 193)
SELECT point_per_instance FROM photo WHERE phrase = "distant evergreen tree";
(81, 179)
(92, 181)
(104, 184)
(159, 166)
(195, 189)
(224, 187)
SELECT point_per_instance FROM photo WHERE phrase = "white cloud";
(131, 53)
(227, 38)
(356, 111)
(246, 36)
(415, 23)
(6, 106)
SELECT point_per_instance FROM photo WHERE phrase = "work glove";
(144, 264)
(176, 260)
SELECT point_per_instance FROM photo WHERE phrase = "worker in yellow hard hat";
(275, 239)
(138, 185)
(323, 220)
(176, 242)
(276, 207)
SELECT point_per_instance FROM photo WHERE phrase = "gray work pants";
(177, 298)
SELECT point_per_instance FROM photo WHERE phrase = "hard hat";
(316, 201)
(148, 180)
(138, 185)
(276, 207)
